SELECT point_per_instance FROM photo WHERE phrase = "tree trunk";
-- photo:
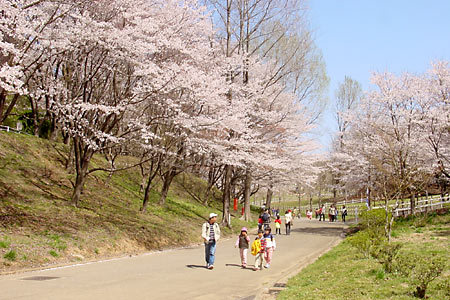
(4, 115)
(269, 198)
(69, 160)
(211, 181)
(147, 193)
(226, 196)
(168, 177)
(413, 203)
(2, 102)
(53, 128)
(82, 159)
(79, 184)
(247, 186)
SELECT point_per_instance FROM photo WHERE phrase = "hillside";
(38, 227)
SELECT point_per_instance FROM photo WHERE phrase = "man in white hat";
(210, 235)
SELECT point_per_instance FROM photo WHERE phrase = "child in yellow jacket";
(258, 249)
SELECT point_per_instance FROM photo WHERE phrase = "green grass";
(4, 244)
(35, 189)
(343, 274)
(53, 253)
(11, 255)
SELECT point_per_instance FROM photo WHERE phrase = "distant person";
(258, 248)
(322, 213)
(344, 213)
(270, 246)
(297, 212)
(288, 222)
(331, 213)
(210, 235)
(336, 213)
(278, 225)
(309, 214)
(260, 222)
(243, 242)
(266, 219)
(317, 213)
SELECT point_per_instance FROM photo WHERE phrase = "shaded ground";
(328, 230)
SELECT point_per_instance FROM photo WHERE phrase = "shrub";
(11, 255)
(444, 285)
(53, 253)
(386, 254)
(362, 242)
(421, 270)
(421, 221)
(372, 234)
(373, 219)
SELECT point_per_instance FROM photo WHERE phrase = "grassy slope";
(341, 274)
(39, 228)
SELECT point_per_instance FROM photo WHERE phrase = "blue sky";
(358, 37)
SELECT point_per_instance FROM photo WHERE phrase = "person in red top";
(278, 225)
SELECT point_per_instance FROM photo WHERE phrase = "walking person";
(210, 235)
(288, 222)
(265, 219)
(260, 222)
(258, 247)
(278, 225)
(243, 242)
(270, 246)
(322, 213)
(344, 213)
(331, 213)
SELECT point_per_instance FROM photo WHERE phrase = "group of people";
(262, 247)
(333, 213)
(265, 220)
(264, 244)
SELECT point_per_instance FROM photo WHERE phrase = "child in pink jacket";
(271, 245)
(243, 242)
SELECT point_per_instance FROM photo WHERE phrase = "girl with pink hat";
(243, 242)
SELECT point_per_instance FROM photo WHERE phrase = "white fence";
(354, 207)
(422, 205)
(11, 129)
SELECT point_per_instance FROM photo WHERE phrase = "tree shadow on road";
(324, 231)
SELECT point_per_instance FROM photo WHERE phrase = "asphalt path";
(177, 274)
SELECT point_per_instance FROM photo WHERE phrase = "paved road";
(176, 274)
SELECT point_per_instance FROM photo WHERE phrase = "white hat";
(212, 215)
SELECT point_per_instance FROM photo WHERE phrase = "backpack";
(265, 217)
(256, 247)
(269, 236)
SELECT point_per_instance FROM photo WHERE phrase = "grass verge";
(343, 273)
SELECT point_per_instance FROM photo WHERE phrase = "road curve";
(176, 274)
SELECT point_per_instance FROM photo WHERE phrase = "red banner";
(235, 206)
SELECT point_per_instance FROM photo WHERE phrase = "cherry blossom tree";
(399, 139)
